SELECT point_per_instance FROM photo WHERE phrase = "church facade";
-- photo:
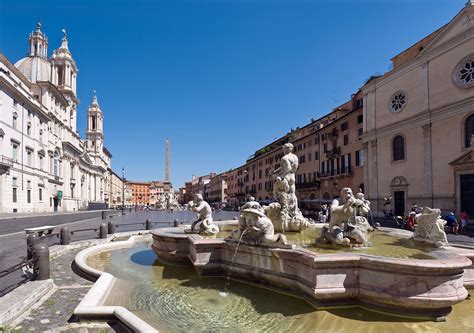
(44, 164)
(419, 124)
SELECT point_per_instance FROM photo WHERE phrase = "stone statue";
(430, 227)
(285, 214)
(256, 228)
(204, 225)
(348, 223)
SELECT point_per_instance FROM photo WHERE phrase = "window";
(28, 191)
(316, 156)
(15, 120)
(325, 148)
(29, 157)
(28, 129)
(15, 103)
(56, 164)
(40, 194)
(360, 158)
(398, 147)
(334, 170)
(15, 146)
(346, 163)
(360, 119)
(344, 126)
(302, 159)
(15, 197)
(463, 74)
(360, 131)
(346, 139)
(398, 101)
(41, 162)
(468, 131)
(359, 103)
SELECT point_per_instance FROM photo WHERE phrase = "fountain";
(426, 280)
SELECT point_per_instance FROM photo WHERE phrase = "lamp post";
(123, 190)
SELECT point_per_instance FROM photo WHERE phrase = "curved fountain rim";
(91, 305)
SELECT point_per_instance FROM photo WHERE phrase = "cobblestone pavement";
(13, 246)
(54, 312)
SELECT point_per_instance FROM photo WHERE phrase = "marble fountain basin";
(425, 287)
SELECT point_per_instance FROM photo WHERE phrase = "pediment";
(86, 158)
(463, 21)
(466, 158)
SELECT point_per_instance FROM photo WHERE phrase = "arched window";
(398, 147)
(468, 130)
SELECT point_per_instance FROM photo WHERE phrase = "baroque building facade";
(44, 164)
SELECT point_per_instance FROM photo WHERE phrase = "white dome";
(35, 68)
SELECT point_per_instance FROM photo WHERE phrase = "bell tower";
(94, 134)
(64, 76)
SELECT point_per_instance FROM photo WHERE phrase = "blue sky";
(220, 79)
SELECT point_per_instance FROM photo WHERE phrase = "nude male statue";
(284, 189)
(204, 223)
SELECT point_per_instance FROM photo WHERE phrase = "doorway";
(467, 193)
(399, 203)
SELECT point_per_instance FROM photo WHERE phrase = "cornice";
(28, 100)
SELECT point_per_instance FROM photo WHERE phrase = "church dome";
(35, 68)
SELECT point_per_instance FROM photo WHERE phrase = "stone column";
(427, 164)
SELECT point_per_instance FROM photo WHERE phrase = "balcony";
(5, 164)
(308, 185)
(346, 171)
(333, 152)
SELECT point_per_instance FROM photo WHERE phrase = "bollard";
(31, 241)
(64, 236)
(103, 231)
(111, 227)
(103, 215)
(148, 224)
(176, 223)
(41, 270)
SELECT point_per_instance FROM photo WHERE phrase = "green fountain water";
(176, 299)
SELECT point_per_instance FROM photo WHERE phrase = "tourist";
(464, 217)
(452, 223)
(411, 221)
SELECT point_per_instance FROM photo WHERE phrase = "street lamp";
(123, 190)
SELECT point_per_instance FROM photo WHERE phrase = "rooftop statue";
(285, 214)
(348, 222)
(204, 225)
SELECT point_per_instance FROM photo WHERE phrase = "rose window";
(398, 101)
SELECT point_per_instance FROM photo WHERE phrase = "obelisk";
(167, 163)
